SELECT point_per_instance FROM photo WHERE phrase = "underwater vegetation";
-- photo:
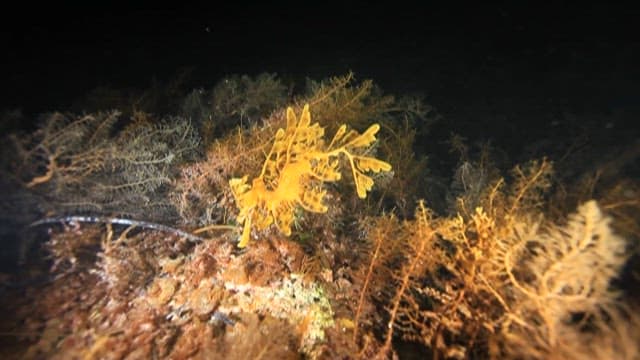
(226, 225)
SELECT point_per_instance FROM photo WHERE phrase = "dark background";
(487, 68)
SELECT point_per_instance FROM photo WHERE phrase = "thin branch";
(117, 221)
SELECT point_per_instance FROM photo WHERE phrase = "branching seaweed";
(500, 281)
(86, 164)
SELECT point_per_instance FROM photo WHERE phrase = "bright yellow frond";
(366, 163)
(363, 184)
(366, 138)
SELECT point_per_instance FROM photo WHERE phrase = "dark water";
(495, 56)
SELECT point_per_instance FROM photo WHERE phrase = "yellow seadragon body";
(295, 169)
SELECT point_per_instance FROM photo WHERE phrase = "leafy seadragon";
(296, 168)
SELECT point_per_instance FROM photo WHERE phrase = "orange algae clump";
(296, 168)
